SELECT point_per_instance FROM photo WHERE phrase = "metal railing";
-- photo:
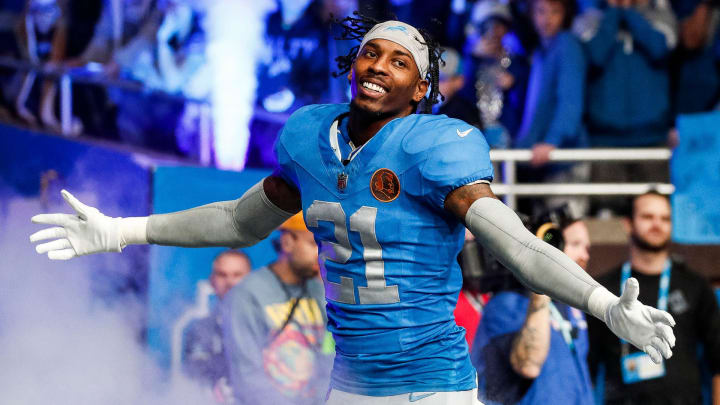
(510, 189)
(509, 159)
(65, 78)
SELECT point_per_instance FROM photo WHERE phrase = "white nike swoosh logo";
(418, 396)
(463, 134)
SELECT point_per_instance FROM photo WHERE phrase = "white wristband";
(599, 301)
(133, 231)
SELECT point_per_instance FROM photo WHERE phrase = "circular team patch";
(385, 185)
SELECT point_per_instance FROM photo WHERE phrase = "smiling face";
(385, 80)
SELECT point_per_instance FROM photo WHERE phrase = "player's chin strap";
(537, 264)
(238, 223)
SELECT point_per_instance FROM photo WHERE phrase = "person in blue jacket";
(554, 106)
(696, 62)
(628, 83)
(553, 111)
(628, 43)
(530, 349)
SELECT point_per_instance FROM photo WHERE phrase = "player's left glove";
(647, 328)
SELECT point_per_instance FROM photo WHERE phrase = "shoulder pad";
(432, 131)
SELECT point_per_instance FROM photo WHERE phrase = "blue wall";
(175, 271)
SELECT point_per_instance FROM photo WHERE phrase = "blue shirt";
(628, 85)
(564, 378)
(554, 102)
(388, 247)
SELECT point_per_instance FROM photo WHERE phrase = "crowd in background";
(538, 74)
(153, 50)
(265, 341)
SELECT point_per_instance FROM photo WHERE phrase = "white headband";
(405, 35)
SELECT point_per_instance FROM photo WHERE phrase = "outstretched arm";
(237, 223)
(547, 270)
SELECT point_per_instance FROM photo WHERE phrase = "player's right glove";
(647, 328)
(87, 231)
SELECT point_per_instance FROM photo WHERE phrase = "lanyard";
(664, 287)
(663, 290)
(565, 325)
(291, 313)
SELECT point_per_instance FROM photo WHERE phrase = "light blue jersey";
(388, 246)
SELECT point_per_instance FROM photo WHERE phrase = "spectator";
(82, 18)
(275, 326)
(151, 119)
(628, 85)
(523, 26)
(630, 377)
(9, 48)
(181, 60)
(203, 354)
(123, 46)
(183, 68)
(293, 71)
(121, 22)
(695, 69)
(43, 41)
(451, 81)
(430, 15)
(496, 75)
(553, 111)
(457, 19)
(530, 349)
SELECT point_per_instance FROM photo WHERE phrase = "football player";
(387, 193)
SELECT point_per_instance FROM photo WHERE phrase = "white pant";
(420, 398)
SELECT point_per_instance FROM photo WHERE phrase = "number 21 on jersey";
(362, 222)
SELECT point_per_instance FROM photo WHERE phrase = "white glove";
(647, 328)
(86, 232)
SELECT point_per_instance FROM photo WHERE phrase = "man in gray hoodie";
(274, 326)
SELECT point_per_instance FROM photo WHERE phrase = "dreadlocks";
(355, 28)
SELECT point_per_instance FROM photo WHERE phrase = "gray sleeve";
(239, 223)
(535, 263)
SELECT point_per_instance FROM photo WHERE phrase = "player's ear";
(421, 90)
(349, 76)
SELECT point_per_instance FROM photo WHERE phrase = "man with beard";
(388, 194)
(626, 375)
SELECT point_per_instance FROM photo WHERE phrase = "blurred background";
(149, 106)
